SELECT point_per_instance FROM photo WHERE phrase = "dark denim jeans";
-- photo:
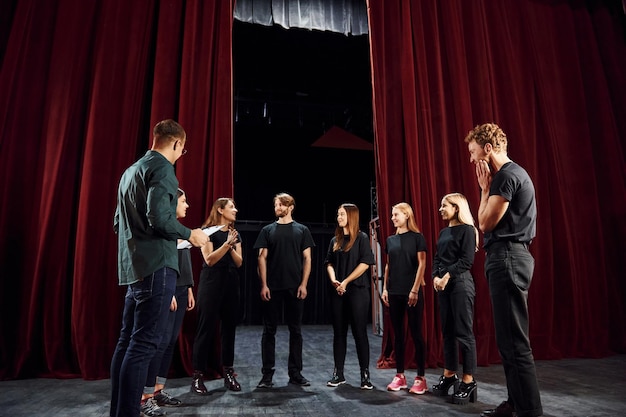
(162, 359)
(146, 307)
(509, 269)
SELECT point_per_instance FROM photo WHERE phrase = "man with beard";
(284, 266)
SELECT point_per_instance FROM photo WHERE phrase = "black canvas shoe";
(298, 379)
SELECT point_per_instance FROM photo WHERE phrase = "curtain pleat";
(547, 72)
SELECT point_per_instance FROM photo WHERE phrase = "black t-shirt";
(285, 244)
(345, 262)
(402, 260)
(218, 239)
(518, 224)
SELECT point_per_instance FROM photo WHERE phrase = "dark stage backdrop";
(82, 83)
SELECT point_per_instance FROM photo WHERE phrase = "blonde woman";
(456, 246)
(403, 293)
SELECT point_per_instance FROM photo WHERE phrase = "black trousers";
(456, 308)
(218, 305)
(293, 310)
(509, 268)
(398, 309)
(351, 310)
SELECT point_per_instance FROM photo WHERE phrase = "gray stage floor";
(569, 387)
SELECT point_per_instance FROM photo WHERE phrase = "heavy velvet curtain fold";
(552, 75)
(82, 84)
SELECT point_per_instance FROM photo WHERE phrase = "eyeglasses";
(184, 152)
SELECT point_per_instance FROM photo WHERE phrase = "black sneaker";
(298, 379)
(336, 380)
(365, 379)
(164, 399)
(151, 409)
(266, 381)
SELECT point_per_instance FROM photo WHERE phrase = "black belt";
(506, 244)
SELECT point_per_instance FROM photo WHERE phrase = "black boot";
(197, 384)
(467, 392)
(365, 379)
(229, 379)
(442, 387)
(337, 378)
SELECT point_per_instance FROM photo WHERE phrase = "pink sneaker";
(398, 383)
(419, 386)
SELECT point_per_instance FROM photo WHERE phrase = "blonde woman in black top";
(403, 293)
(456, 246)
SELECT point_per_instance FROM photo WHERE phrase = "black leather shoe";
(505, 409)
(197, 384)
(298, 379)
(465, 393)
(442, 387)
(266, 379)
(230, 382)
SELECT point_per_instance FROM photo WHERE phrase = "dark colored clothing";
(218, 305)
(146, 307)
(147, 229)
(352, 308)
(285, 244)
(513, 183)
(345, 262)
(185, 278)
(398, 309)
(162, 359)
(402, 265)
(402, 260)
(509, 269)
(456, 248)
(272, 313)
(145, 219)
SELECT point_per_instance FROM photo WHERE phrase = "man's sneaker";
(298, 379)
(419, 386)
(266, 381)
(365, 379)
(151, 409)
(164, 399)
(398, 383)
(337, 379)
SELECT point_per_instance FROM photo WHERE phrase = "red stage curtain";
(82, 84)
(552, 74)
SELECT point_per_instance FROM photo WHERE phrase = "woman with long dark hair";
(348, 262)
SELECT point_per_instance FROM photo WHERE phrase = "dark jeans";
(509, 269)
(146, 307)
(351, 309)
(218, 305)
(398, 309)
(456, 307)
(162, 359)
(294, 308)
